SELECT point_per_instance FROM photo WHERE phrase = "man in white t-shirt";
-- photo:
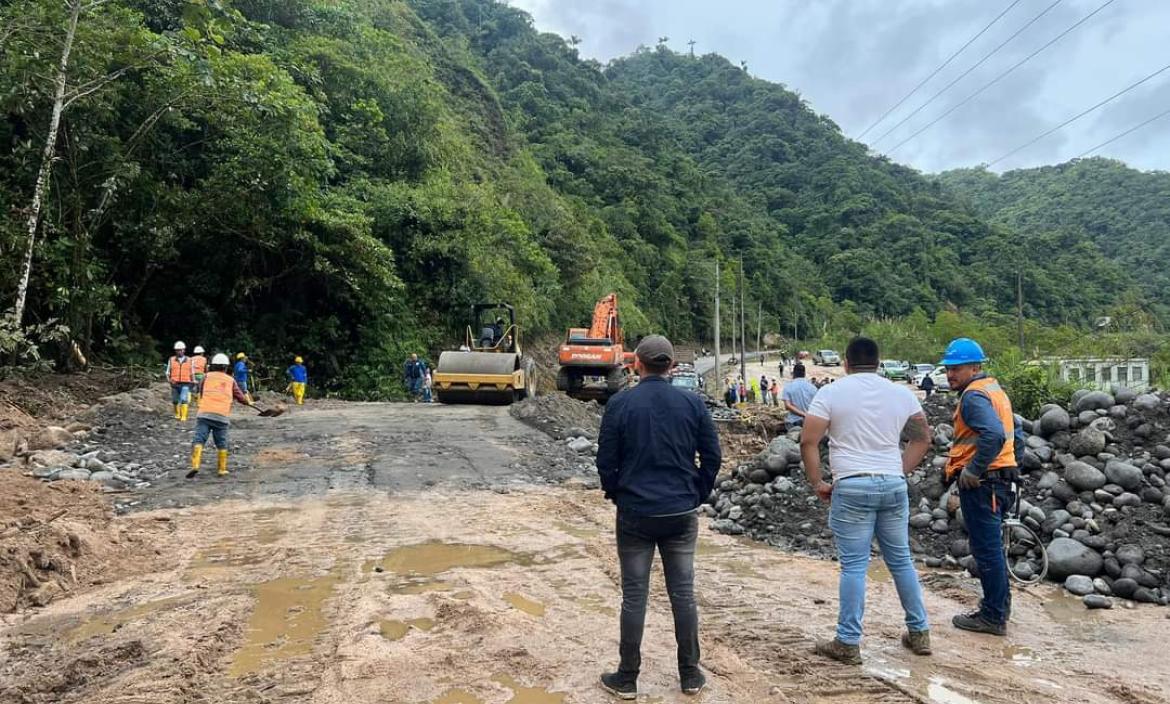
(865, 417)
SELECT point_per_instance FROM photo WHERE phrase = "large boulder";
(1053, 421)
(1079, 585)
(785, 447)
(1093, 400)
(1123, 395)
(1147, 402)
(1089, 441)
(1084, 477)
(50, 438)
(1124, 474)
(1067, 557)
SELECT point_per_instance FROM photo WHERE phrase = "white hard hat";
(180, 345)
(220, 359)
(198, 349)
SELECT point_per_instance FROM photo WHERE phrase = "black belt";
(870, 475)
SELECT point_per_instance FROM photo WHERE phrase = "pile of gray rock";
(1093, 487)
(89, 463)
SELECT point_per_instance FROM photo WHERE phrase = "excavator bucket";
(480, 377)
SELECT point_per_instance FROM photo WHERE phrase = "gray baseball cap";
(655, 349)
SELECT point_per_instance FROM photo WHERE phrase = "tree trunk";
(47, 157)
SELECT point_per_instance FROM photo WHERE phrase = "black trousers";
(674, 536)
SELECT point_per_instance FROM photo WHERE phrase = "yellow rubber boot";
(178, 415)
(196, 460)
(183, 410)
(223, 463)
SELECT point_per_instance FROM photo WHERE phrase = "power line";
(1081, 114)
(1131, 130)
(966, 73)
(1001, 76)
(940, 68)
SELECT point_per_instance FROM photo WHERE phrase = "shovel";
(273, 412)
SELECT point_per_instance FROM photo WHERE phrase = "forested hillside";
(342, 178)
(1125, 212)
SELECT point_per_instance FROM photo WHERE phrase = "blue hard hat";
(963, 350)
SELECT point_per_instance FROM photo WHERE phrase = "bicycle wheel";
(1027, 560)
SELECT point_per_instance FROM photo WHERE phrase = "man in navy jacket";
(649, 438)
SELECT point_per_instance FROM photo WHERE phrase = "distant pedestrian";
(649, 438)
(753, 391)
(781, 367)
(240, 373)
(799, 365)
(765, 397)
(218, 391)
(927, 385)
(984, 459)
(414, 375)
(775, 393)
(181, 375)
(865, 417)
(428, 388)
(798, 395)
(298, 377)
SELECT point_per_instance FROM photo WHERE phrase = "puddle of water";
(288, 616)
(1019, 654)
(528, 695)
(420, 586)
(397, 630)
(457, 696)
(938, 692)
(583, 532)
(528, 606)
(432, 558)
(108, 623)
(224, 555)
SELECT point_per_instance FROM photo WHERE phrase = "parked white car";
(937, 373)
(827, 358)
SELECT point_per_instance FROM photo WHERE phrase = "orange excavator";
(594, 362)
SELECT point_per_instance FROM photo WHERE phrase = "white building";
(1106, 372)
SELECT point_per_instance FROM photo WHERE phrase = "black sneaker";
(978, 623)
(619, 685)
(693, 682)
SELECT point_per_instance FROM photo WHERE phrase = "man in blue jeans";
(986, 452)
(646, 451)
(865, 416)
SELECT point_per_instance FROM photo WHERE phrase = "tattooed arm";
(917, 434)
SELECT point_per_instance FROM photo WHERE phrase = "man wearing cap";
(985, 455)
(649, 438)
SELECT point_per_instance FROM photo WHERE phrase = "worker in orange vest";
(198, 370)
(218, 391)
(181, 376)
(984, 459)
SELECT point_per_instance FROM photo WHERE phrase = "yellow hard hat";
(241, 355)
(298, 360)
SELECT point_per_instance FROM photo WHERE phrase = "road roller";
(490, 366)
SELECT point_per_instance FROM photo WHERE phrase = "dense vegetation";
(341, 178)
(1124, 212)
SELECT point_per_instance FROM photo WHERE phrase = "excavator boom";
(594, 362)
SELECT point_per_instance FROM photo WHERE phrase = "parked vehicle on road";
(827, 358)
(937, 373)
(893, 369)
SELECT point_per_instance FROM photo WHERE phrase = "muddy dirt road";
(394, 553)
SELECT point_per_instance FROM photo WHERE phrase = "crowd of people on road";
(658, 458)
(210, 385)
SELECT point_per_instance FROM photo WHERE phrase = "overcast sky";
(853, 59)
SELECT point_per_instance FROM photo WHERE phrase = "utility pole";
(759, 326)
(691, 43)
(1020, 308)
(718, 373)
(734, 307)
(742, 327)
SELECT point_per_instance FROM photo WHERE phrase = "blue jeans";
(180, 393)
(218, 429)
(675, 537)
(985, 531)
(863, 507)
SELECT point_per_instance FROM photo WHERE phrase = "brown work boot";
(917, 642)
(842, 652)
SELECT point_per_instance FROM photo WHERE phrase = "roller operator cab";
(490, 366)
